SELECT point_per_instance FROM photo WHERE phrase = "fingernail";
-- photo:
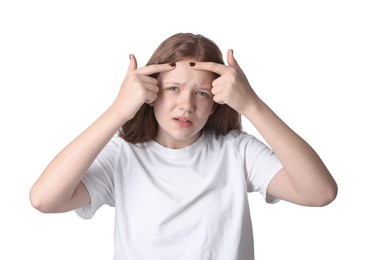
(192, 64)
(129, 56)
(173, 64)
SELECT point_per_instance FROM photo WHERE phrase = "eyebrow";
(177, 83)
(170, 82)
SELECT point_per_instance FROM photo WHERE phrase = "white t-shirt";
(177, 204)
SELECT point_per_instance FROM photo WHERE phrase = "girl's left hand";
(232, 87)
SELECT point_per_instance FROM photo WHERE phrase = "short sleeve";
(261, 165)
(99, 180)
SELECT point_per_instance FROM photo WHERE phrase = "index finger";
(156, 68)
(218, 68)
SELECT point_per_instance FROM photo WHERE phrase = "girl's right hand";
(138, 88)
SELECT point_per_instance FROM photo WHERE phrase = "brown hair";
(144, 126)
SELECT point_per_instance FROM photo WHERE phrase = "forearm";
(59, 180)
(58, 186)
(304, 167)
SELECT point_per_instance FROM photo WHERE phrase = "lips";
(183, 121)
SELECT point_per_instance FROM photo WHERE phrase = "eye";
(173, 89)
(202, 93)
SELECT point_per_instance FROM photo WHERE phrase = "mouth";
(183, 121)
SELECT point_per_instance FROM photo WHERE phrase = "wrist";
(253, 108)
(118, 114)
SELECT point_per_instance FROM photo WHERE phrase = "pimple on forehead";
(183, 74)
(185, 63)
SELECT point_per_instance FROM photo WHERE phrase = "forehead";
(183, 73)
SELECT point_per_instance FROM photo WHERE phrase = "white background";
(62, 63)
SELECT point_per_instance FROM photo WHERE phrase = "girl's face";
(183, 105)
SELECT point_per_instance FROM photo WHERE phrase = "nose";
(186, 102)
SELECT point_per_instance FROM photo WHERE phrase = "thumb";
(133, 63)
(231, 60)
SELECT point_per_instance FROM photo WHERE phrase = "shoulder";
(116, 147)
(115, 143)
(245, 143)
(118, 152)
(233, 137)
(118, 142)
(125, 150)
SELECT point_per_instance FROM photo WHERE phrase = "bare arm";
(304, 179)
(59, 188)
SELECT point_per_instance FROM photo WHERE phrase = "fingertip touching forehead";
(186, 46)
(183, 75)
